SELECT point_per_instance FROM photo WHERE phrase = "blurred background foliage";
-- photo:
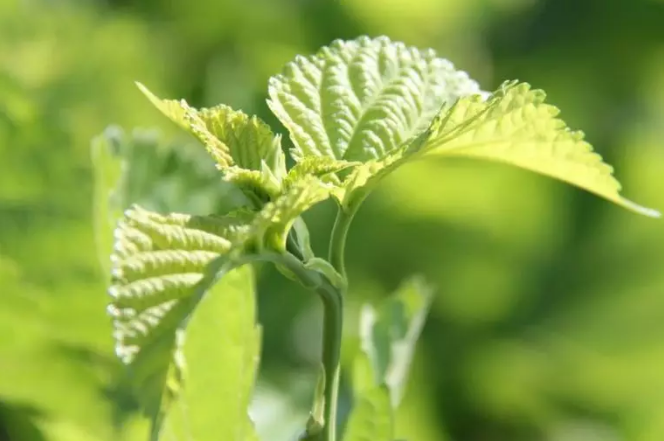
(549, 318)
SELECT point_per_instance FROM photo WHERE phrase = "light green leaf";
(139, 168)
(321, 167)
(359, 100)
(222, 348)
(371, 418)
(232, 137)
(388, 336)
(515, 126)
(162, 268)
(274, 221)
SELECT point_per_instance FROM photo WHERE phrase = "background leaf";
(388, 337)
(371, 418)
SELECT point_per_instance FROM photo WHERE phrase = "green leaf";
(371, 418)
(222, 349)
(231, 137)
(140, 168)
(359, 100)
(276, 218)
(162, 268)
(516, 127)
(321, 167)
(388, 337)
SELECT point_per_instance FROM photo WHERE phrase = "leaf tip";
(650, 212)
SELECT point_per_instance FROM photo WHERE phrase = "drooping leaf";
(162, 268)
(516, 127)
(388, 336)
(371, 418)
(359, 100)
(231, 136)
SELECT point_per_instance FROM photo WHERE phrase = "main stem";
(333, 325)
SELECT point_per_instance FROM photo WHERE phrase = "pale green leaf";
(231, 136)
(320, 166)
(359, 100)
(371, 418)
(516, 127)
(221, 350)
(161, 268)
(389, 334)
(276, 218)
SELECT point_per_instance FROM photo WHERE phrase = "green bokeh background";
(549, 319)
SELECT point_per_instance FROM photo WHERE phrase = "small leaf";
(516, 127)
(390, 333)
(371, 418)
(232, 137)
(320, 167)
(359, 100)
(274, 221)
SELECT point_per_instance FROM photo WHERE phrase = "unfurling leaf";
(274, 221)
(515, 126)
(388, 336)
(371, 418)
(236, 141)
(359, 100)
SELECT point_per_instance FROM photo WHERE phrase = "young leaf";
(516, 127)
(359, 100)
(389, 335)
(162, 267)
(274, 221)
(371, 418)
(231, 137)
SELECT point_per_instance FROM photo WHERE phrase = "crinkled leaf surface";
(373, 100)
(139, 167)
(371, 418)
(515, 126)
(388, 337)
(359, 100)
(276, 218)
(162, 267)
(238, 142)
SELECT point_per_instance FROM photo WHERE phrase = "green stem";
(332, 326)
(338, 240)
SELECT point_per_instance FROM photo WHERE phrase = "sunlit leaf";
(232, 137)
(388, 336)
(359, 100)
(222, 348)
(515, 126)
(162, 268)
(274, 221)
(371, 418)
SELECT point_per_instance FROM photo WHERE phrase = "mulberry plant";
(355, 112)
